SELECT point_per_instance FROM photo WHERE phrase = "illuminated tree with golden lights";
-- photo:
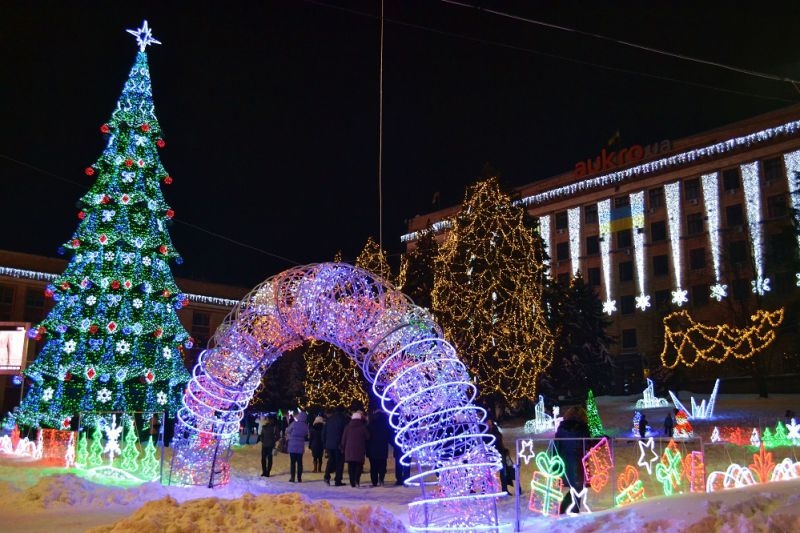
(332, 378)
(488, 291)
(373, 259)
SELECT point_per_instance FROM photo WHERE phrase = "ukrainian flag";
(620, 219)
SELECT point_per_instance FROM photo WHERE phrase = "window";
(660, 266)
(734, 215)
(561, 220)
(656, 198)
(201, 328)
(629, 338)
(592, 245)
(34, 305)
(593, 276)
(562, 251)
(737, 251)
(741, 289)
(590, 214)
(658, 231)
(776, 206)
(697, 258)
(626, 271)
(627, 304)
(772, 169)
(700, 295)
(6, 302)
(624, 238)
(731, 180)
(663, 298)
(694, 224)
(622, 201)
(691, 189)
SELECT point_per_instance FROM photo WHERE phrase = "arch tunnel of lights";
(422, 385)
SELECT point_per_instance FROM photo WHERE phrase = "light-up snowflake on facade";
(680, 296)
(719, 291)
(417, 376)
(610, 306)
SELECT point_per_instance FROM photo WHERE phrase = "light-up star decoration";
(610, 306)
(798, 279)
(719, 291)
(579, 501)
(643, 302)
(526, 452)
(144, 36)
(643, 461)
(760, 286)
(679, 296)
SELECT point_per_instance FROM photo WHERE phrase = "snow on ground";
(35, 498)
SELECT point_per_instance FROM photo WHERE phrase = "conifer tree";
(593, 417)
(488, 295)
(113, 338)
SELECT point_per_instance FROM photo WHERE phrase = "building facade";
(705, 223)
(23, 278)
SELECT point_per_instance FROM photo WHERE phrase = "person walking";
(269, 436)
(296, 437)
(262, 418)
(570, 442)
(354, 446)
(332, 439)
(492, 429)
(378, 446)
(315, 443)
(643, 426)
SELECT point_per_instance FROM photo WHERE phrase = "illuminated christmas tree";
(488, 295)
(417, 270)
(113, 337)
(596, 428)
(373, 259)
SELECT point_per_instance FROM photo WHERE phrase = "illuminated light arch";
(687, 341)
(421, 383)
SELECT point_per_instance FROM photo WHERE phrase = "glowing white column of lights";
(752, 203)
(544, 231)
(604, 220)
(672, 193)
(792, 162)
(711, 201)
(637, 219)
(574, 228)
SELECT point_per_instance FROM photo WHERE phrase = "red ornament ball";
(129, 162)
(145, 127)
(93, 328)
(163, 249)
(65, 286)
(106, 198)
(170, 213)
(166, 293)
(160, 143)
(81, 215)
(115, 284)
(167, 179)
(89, 171)
(104, 128)
(158, 333)
(75, 243)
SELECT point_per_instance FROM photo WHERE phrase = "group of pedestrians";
(343, 439)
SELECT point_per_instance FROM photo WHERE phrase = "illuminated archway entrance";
(417, 375)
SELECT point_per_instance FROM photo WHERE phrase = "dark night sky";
(270, 109)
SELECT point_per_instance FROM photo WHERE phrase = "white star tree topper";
(144, 36)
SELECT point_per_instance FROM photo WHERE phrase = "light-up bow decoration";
(416, 375)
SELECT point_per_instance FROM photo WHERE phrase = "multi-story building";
(703, 223)
(23, 278)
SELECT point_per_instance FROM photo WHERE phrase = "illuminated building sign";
(624, 156)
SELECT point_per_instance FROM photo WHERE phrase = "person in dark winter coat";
(270, 433)
(574, 430)
(354, 446)
(315, 443)
(332, 439)
(296, 437)
(378, 446)
(669, 425)
(643, 426)
(492, 429)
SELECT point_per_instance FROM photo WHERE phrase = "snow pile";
(288, 513)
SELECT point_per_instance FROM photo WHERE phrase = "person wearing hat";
(380, 434)
(354, 447)
(316, 444)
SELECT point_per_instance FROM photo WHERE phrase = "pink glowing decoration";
(417, 375)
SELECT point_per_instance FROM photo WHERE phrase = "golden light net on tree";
(332, 378)
(487, 294)
(687, 341)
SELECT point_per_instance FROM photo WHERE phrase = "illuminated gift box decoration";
(597, 464)
(546, 484)
(630, 488)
